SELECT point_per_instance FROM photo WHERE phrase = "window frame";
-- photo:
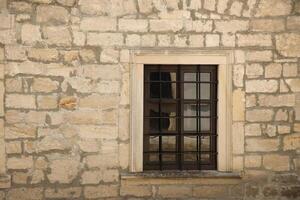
(224, 60)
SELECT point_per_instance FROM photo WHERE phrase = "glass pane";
(205, 110)
(154, 90)
(205, 158)
(204, 91)
(169, 143)
(190, 76)
(153, 157)
(190, 91)
(168, 124)
(153, 143)
(154, 124)
(169, 109)
(190, 143)
(205, 124)
(205, 143)
(190, 124)
(154, 76)
(190, 110)
(152, 110)
(169, 157)
(190, 157)
(168, 90)
(168, 76)
(204, 77)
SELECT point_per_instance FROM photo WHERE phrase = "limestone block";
(20, 7)
(63, 169)
(35, 193)
(20, 101)
(103, 72)
(105, 39)
(277, 100)
(291, 142)
(148, 40)
(145, 6)
(20, 131)
(267, 25)
(109, 160)
(101, 191)
(196, 40)
(259, 115)
(273, 8)
(30, 34)
(108, 87)
(45, 85)
(164, 40)
(109, 56)
(276, 162)
(281, 115)
(248, 40)
(57, 35)
(210, 191)
(283, 129)
(261, 86)
(98, 24)
(287, 44)
(165, 25)
(238, 105)
(52, 14)
(251, 101)
(13, 147)
(134, 25)
(290, 70)
(236, 8)
(87, 56)
(44, 55)
(200, 26)
(68, 103)
(94, 7)
(252, 130)
(253, 161)
(69, 3)
(212, 40)
(20, 163)
(210, 5)
(222, 6)
(97, 132)
(238, 138)
(136, 191)
(259, 144)
(273, 70)
(231, 26)
(79, 38)
(254, 70)
(64, 193)
(294, 84)
(15, 52)
(259, 56)
(174, 191)
(97, 101)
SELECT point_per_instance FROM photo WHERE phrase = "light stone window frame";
(224, 59)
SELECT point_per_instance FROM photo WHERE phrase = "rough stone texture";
(65, 86)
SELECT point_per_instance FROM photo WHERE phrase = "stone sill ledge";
(181, 174)
(5, 181)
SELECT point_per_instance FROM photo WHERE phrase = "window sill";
(182, 174)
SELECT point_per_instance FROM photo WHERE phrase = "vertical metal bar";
(199, 118)
(181, 141)
(160, 115)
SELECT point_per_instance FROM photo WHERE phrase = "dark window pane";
(205, 110)
(169, 143)
(190, 76)
(154, 76)
(205, 143)
(153, 143)
(154, 90)
(204, 77)
(168, 90)
(169, 157)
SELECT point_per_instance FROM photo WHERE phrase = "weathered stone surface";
(288, 44)
(290, 70)
(63, 169)
(44, 55)
(68, 103)
(231, 26)
(133, 25)
(13, 147)
(291, 142)
(252, 130)
(98, 24)
(238, 105)
(210, 192)
(66, 2)
(238, 138)
(30, 34)
(273, 8)
(259, 56)
(277, 101)
(104, 39)
(20, 163)
(25, 194)
(137, 191)
(276, 162)
(259, 144)
(253, 161)
(52, 14)
(15, 52)
(20, 101)
(293, 23)
(174, 191)
(273, 70)
(57, 35)
(165, 25)
(254, 70)
(244, 40)
(200, 26)
(294, 84)
(261, 86)
(72, 192)
(44, 85)
(101, 191)
(267, 25)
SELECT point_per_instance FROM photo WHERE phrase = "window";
(180, 117)
(169, 68)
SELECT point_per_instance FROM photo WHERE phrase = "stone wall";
(64, 66)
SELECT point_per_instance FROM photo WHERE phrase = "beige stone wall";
(65, 104)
